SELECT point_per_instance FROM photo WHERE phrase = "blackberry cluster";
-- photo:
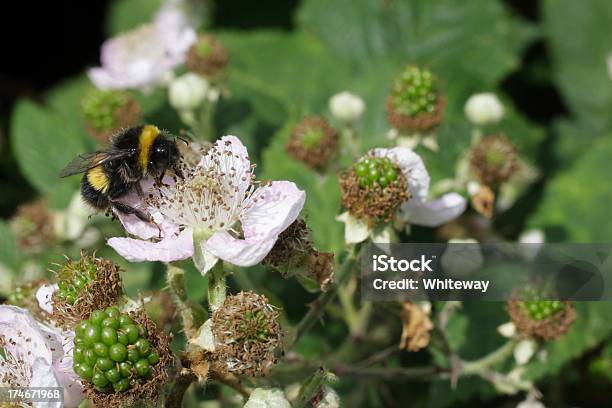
(110, 350)
(74, 278)
(375, 170)
(415, 92)
(100, 108)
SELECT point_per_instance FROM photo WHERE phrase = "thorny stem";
(231, 381)
(192, 314)
(311, 388)
(482, 364)
(318, 306)
(183, 380)
(390, 373)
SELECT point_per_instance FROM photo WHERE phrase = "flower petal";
(169, 249)
(43, 295)
(436, 212)
(17, 324)
(412, 167)
(355, 230)
(138, 227)
(231, 157)
(267, 213)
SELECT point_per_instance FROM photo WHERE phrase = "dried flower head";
(416, 327)
(538, 317)
(84, 285)
(208, 57)
(483, 201)
(313, 142)
(141, 389)
(32, 226)
(415, 103)
(247, 335)
(494, 160)
(373, 188)
(294, 254)
(108, 111)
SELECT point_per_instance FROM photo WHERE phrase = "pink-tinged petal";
(44, 376)
(139, 228)
(268, 213)
(436, 212)
(412, 168)
(43, 296)
(231, 158)
(169, 249)
(73, 390)
(241, 252)
(17, 324)
(102, 79)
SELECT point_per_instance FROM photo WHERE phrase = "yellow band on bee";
(98, 179)
(147, 137)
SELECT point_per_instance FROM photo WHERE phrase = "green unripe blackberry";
(73, 278)
(111, 350)
(542, 309)
(375, 170)
(414, 92)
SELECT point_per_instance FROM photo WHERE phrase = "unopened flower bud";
(346, 107)
(108, 111)
(247, 335)
(84, 285)
(32, 226)
(373, 188)
(313, 142)
(208, 57)
(494, 160)
(267, 398)
(187, 92)
(415, 103)
(484, 109)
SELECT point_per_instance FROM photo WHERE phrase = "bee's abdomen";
(94, 197)
(98, 179)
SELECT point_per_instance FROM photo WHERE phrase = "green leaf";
(580, 40)
(478, 40)
(124, 15)
(43, 144)
(9, 255)
(575, 206)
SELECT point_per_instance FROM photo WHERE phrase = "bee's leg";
(126, 209)
(139, 191)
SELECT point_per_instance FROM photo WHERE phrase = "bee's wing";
(86, 161)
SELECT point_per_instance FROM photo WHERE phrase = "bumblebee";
(135, 153)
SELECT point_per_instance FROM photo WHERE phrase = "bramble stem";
(311, 388)
(216, 286)
(192, 314)
(484, 363)
(318, 306)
